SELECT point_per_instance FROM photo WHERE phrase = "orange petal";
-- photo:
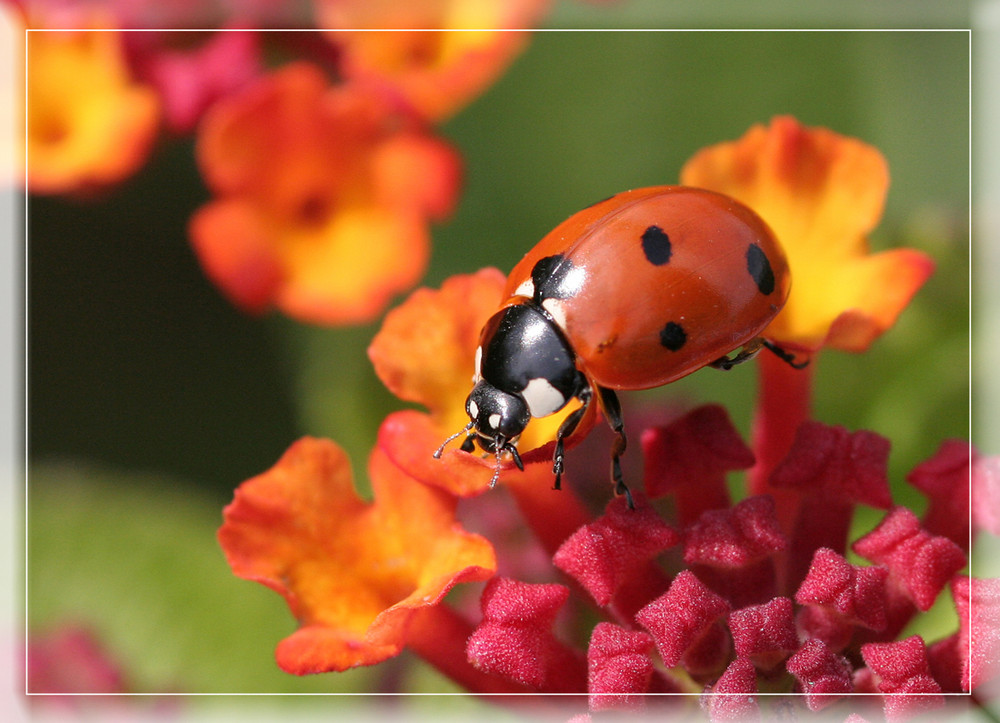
(235, 251)
(353, 573)
(348, 270)
(277, 141)
(435, 69)
(340, 189)
(414, 169)
(425, 350)
(88, 123)
(822, 193)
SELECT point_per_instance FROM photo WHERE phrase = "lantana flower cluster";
(319, 149)
(744, 607)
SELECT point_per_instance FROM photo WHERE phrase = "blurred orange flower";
(822, 193)
(425, 353)
(440, 54)
(323, 197)
(353, 574)
(89, 124)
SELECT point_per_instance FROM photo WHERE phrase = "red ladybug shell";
(663, 281)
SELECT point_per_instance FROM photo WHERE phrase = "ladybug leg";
(748, 352)
(567, 428)
(785, 355)
(612, 409)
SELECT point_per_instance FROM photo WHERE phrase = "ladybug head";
(496, 415)
(498, 418)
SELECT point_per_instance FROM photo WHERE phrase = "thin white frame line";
(500, 30)
(28, 31)
(459, 694)
(27, 407)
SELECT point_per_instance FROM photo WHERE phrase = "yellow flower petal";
(88, 123)
(821, 193)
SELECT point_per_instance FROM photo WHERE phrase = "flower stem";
(784, 401)
(553, 515)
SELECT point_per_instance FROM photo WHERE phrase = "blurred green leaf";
(135, 558)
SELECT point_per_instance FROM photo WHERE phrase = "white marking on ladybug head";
(543, 399)
(526, 288)
(557, 311)
(479, 366)
(494, 421)
(473, 409)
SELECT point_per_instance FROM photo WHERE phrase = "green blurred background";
(151, 398)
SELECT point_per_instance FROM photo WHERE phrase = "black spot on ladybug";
(555, 277)
(656, 246)
(760, 269)
(673, 336)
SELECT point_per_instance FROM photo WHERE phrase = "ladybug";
(633, 292)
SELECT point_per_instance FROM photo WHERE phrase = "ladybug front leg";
(567, 428)
(612, 409)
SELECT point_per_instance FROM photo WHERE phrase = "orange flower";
(324, 194)
(448, 51)
(425, 353)
(354, 574)
(89, 124)
(822, 193)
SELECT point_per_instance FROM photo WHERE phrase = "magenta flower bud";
(734, 695)
(904, 677)
(825, 677)
(764, 634)
(603, 555)
(515, 638)
(918, 561)
(618, 667)
(679, 618)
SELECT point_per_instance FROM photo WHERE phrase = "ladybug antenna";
(502, 446)
(464, 430)
(498, 448)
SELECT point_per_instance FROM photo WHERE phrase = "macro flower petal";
(853, 465)
(831, 469)
(764, 634)
(821, 193)
(904, 677)
(945, 478)
(605, 554)
(689, 458)
(353, 574)
(734, 537)
(89, 122)
(515, 638)
(337, 187)
(618, 667)
(70, 659)
(190, 79)
(854, 592)
(978, 604)
(733, 550)
(681, 616)
(986, 494)
(441, 53)
(923, 564)
(734, 695)
(825, 677)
